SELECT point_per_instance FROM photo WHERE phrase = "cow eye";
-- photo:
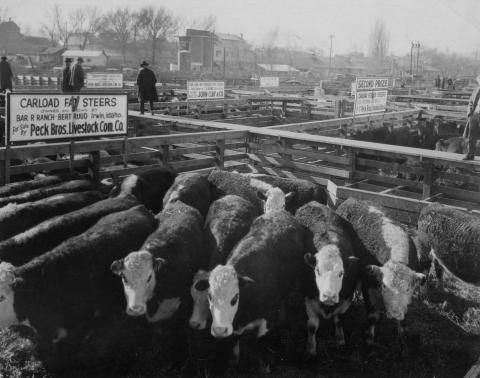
(2, 298)
(123, 278)
(384, 286)
(234, 300)
(149, 278)
(340, 275)
(209, 297)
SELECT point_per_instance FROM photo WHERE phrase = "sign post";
(370, 96)
(44, 116)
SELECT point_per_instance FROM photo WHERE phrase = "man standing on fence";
(472, 129)
(147, 91)
(66, 75)
(77, 80)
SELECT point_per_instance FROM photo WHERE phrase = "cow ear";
(244, 281)
(374, 272)
(421, 279)
(261, 195)
(310, 260)
(158, 263)
(117, 266)
(201, 285)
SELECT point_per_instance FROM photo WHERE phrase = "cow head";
(329, 272)
(398, 283)
(223, 298)
(199, 293)
(7, 279)
(273, 199)
(138, 275)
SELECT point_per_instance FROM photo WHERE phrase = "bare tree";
(269, 44)
(87, 22)
(379, 39)
(157, 24)
(208, 23)
(4, 13)
(64, 24)
(121, 22)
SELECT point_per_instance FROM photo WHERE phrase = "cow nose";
(196, 325)
(220, 331)
(136, 310)
(329, 298)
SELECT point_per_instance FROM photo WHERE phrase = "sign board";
(50, 116)
(370, 101)
(205, 90)
(104, 80)
(370, 95)
(269, 81)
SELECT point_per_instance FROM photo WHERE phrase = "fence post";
(125, 152)
(5, 167)
(165, 153)
(220, 153)
(71, 157)
(353, 162)
(338, 108)
(94, 168)
(286, 158)
(427, 179)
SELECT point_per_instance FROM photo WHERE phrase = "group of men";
(72, 76)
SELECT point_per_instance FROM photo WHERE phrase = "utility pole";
(418, 54)
(411, 59)
(331, 36)
(224, 62)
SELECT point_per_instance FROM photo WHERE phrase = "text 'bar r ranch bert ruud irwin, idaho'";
(38, 117)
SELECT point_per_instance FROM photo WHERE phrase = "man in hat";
(66, 75)
(472, 129)
(147, 91)
(77, 80)
(6, 75)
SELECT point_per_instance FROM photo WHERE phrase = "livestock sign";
(104, 80)
(269, 81)
(205, 90)
(41, 116)
(370, 95)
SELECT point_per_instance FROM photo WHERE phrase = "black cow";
(21, 248)
(60, 292)
(148, 187)
(192, 189)
(263, 269)
(335, 267)
(16, 218)
(450, 237)
(161, 271)
(390, 276)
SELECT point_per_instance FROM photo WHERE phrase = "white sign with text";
(104, 80)
(40, 117)
(269, 81)
(205, 90)
(370, 101)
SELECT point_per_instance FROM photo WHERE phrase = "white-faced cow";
(390, 276)
(192, 189)
(60, 292)
(246, 293)
(263, 196)
(229, 219)
(161, 271)
(451, 238)
(335, 269)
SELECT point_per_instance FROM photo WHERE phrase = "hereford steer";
(229, 219)
(21, 248)
(15, 219)
(247, 292)
(450, 237)
(163, 268)
(391, 275)
(300, 191)
(192, 189)
(263, 196)
(148, 187)
(60, 292)
(23, 186)
(336, 269)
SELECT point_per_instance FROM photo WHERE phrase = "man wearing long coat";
(66, 75)
(77, 79)
(6, 75)
(147, 91)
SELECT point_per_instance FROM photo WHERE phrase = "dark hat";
(143, 64)
(79, 59)
(68, 60)
(4, 57)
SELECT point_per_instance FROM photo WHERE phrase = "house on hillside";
(280, 70)
(51, 55)
(96, 58)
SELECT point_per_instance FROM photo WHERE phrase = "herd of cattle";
(229, 247)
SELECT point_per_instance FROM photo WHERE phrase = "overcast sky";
(442, 24)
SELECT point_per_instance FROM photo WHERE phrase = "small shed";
(96, 58)
(51, 55)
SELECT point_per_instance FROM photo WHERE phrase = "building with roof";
(280, 70)
(51, 55)
(96, 58)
